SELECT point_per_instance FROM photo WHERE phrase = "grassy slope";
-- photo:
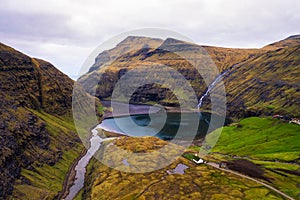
(271, 143)
(45, 180)
(266, 138)
(268, 84)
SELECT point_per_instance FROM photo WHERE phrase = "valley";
(43, 152)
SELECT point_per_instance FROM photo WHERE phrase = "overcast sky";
(65, 32)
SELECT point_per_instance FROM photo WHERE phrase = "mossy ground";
(198, 182)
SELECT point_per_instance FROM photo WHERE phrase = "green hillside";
(270, 143)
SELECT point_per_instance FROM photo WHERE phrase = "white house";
(200, 161)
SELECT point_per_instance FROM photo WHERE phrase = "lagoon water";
(150, 125)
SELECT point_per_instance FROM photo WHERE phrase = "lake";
(150, 125)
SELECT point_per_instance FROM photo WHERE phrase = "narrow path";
(215, 165)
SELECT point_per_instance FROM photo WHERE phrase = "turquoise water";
(150, 125)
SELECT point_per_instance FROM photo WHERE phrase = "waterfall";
(212, 85)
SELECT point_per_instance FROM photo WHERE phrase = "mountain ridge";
(38, 140)
(292, 40)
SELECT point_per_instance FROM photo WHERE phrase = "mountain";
(129, 44)
(267, 84)
(258, 82)
(108, 57)
(102, 80)
(37, 133)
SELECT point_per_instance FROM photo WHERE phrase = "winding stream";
(83, 162)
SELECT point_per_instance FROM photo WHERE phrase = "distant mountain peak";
(175, 45)
(172, 41)
(137, 40)
(130, 43)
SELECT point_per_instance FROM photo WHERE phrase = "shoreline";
(140, 109)
(169, 110)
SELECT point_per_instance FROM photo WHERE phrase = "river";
(80, 168)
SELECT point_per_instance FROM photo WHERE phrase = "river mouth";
(150, 125)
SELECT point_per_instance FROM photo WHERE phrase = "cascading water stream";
(210, 87)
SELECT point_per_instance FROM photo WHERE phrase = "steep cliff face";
(33, 83)
(111, 56)
(130, 44)
(36, 128)
(262, 81)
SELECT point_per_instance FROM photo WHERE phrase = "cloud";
(37, 26)
(65, 31)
